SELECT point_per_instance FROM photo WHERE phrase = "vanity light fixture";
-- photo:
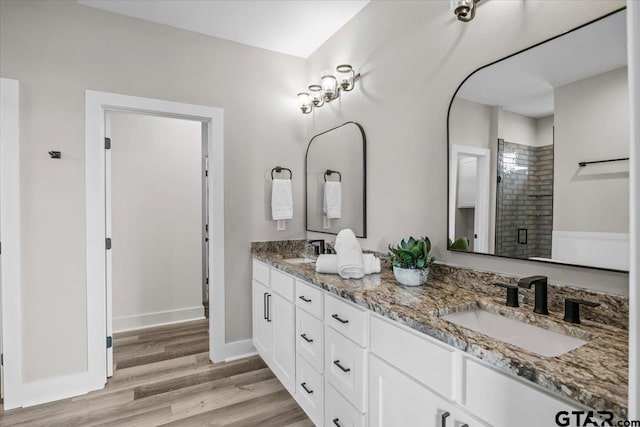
(305, 103)
(465, 10)
(331, 84)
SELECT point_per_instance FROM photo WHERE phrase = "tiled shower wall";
(524, 200)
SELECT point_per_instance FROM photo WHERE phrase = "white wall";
(57, 50)
(413, 56)
(156, 187)
(592, 123)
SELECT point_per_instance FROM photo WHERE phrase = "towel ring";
(280, 169)
(330, 172)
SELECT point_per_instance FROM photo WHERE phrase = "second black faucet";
(540, 283)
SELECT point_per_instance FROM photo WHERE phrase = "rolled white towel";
(329, 264)
(349, 255)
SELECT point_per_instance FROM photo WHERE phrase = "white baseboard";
(49, 390)
(147, 320)
(239, 350)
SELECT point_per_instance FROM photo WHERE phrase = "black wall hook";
(55, 154)
(280, 169)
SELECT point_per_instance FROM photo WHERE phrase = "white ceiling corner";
(293, 27)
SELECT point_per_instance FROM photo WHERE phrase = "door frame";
(10, 273)
(482, 210)
(96, 106)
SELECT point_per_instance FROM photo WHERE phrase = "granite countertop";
(594, 375)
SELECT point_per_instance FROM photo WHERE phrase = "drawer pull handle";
(335, 316)
(304, 386)
(445, 415)
(336, 421)
(265, 309)
(464, 425)
(304, 337)
(342, 368)
(304, 299)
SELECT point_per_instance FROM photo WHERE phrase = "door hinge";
(107, 143)
(207, 280)
(108, 243)
(109, 342)
(2, 359)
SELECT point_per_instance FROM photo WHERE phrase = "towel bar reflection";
(279, 169)
(329, 172)
(583, 164)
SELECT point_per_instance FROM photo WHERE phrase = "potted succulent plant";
(411, 261)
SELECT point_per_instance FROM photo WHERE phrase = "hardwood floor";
(163, 376)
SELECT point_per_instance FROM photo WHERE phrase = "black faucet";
(540, 282)
(572, 309)
(512, 294)
(318, 246)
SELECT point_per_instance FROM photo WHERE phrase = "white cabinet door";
(282, 315)
(262, 328)
(397, 400)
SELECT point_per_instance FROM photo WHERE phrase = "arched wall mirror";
(538, 147)
(336, 180)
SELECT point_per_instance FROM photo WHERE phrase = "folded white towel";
(328, 263)
(349, 255)
(281, 199)
(332, 204)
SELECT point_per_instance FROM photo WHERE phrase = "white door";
(282, 315)
(262, 327)
(108, 257)
(397, 400)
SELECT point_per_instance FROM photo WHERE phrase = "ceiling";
(292, 27)
(524, 83)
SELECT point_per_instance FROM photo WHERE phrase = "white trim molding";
(239, 350)
(10, 280)
(96, 106)
(159, 318)
(633, 49)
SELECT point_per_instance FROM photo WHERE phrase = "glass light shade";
(304, 102)
(329, 85)
(345, 75)
(317, 95)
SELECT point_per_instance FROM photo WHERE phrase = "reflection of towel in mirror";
(328, 263)
(349, 255)
(281, 199)
(332, 204)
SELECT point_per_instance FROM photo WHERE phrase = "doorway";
(156, 221)
(99, 329)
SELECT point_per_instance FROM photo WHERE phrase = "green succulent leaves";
(412, 253)
(461, 244)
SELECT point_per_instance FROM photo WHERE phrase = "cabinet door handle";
(304, 337)
(464, 425)
(264, 306)
(302, 297)
(304, 386)
(268, 307)
(445, 415)
(342, 368)
(335, 316)
(336, 422)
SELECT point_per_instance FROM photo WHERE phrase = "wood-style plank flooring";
(163, 376)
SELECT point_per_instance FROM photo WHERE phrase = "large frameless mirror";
(538, 152)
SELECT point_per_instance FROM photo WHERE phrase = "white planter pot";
(410, 276)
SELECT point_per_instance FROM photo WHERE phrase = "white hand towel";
(349, 255)
(281, 199)
(332, 204)
(328, 264)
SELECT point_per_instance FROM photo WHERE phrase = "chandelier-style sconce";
(330, 87)
(465, 10)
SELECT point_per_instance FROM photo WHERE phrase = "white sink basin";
(299, 260)
(529, 337)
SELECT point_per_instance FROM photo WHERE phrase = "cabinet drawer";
(345, 365)
(261, 272)
(282, 284)
(424, 360)
(504, 401)
(310, 339)
(350, 321)
(310, 391)
(309, 298)
(338, 412)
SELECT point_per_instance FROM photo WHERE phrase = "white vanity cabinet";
(349, 367)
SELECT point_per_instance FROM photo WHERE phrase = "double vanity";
(450, 353)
